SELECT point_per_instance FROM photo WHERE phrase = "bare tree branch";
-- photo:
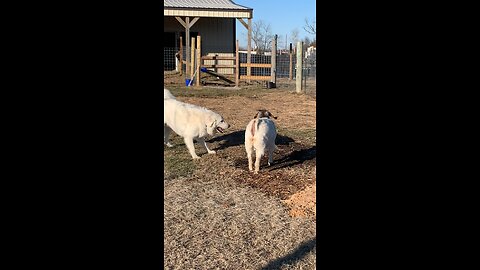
(294, 36)
(310, 27)
(261, 36)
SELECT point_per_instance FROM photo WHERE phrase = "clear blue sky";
(282, 15)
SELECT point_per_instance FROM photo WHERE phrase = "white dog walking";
(167, 94)
(260, 136)
(166, 129)
(191, 122)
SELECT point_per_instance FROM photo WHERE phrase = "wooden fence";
(218, 62)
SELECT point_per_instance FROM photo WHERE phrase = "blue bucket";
(187, 82)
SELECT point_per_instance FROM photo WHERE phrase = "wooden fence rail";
(198, 62)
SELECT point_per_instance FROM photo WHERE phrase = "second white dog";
(260, 136)
(191, 122)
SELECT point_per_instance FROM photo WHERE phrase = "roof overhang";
(216, 13)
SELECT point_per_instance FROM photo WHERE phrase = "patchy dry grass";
(218, 215)
(178, 164)
(215, 223)
(213, 92)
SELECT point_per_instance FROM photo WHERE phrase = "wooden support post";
(298, 77)
(187, 25)
(237, 65)
(290, 68)
(192, 57)
(199, 60)
(181, 56)
(187, 44)
(215, 63)
(249, 49)
(273, 69)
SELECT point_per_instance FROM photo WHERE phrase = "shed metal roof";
(203, 4)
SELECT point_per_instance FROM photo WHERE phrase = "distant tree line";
(262, 36)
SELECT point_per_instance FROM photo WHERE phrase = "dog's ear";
(271, 115)
(213, 123)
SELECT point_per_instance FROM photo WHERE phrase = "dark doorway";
(169, 40)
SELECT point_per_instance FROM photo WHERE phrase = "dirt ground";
(219, 194)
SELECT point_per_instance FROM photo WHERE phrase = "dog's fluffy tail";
(255, 125)
(254, 128)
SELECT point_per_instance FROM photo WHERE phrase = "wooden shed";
(213, 20)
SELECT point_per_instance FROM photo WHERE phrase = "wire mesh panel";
(170, 62)
(309, 73)
(310, 66)
(283, 65)
(260, 66)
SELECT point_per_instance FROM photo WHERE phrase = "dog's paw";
(196, 157)
(212, 152)
(170, 145)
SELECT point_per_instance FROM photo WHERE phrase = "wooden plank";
(212, 57)
(298, 79)
(187, 45)
(192, 69)
(218, 66)
(255, 78)
(256, 65)
(249, 47)
(243, 22)
(181, 22)
(273, 69)
(194, 21)
(198, 60)
(290, 65)
(181, 56)
(237, 65)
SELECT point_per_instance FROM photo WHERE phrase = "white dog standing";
(167, 94)
(191, 122)
(260, 136)
(166, 129)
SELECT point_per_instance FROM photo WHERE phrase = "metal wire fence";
(310, 66)
(256, 59)
(285, 63)
(170, 62)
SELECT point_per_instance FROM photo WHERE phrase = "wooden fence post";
(273, 69)
(192, 58)
(187, 42)
(290, 64)
(298, 79)
(199, 60)
(237, 65)
(249, 49)
(181, 56)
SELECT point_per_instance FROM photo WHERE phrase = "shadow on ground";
(295, 158)
(238, 138)
(294, 256)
